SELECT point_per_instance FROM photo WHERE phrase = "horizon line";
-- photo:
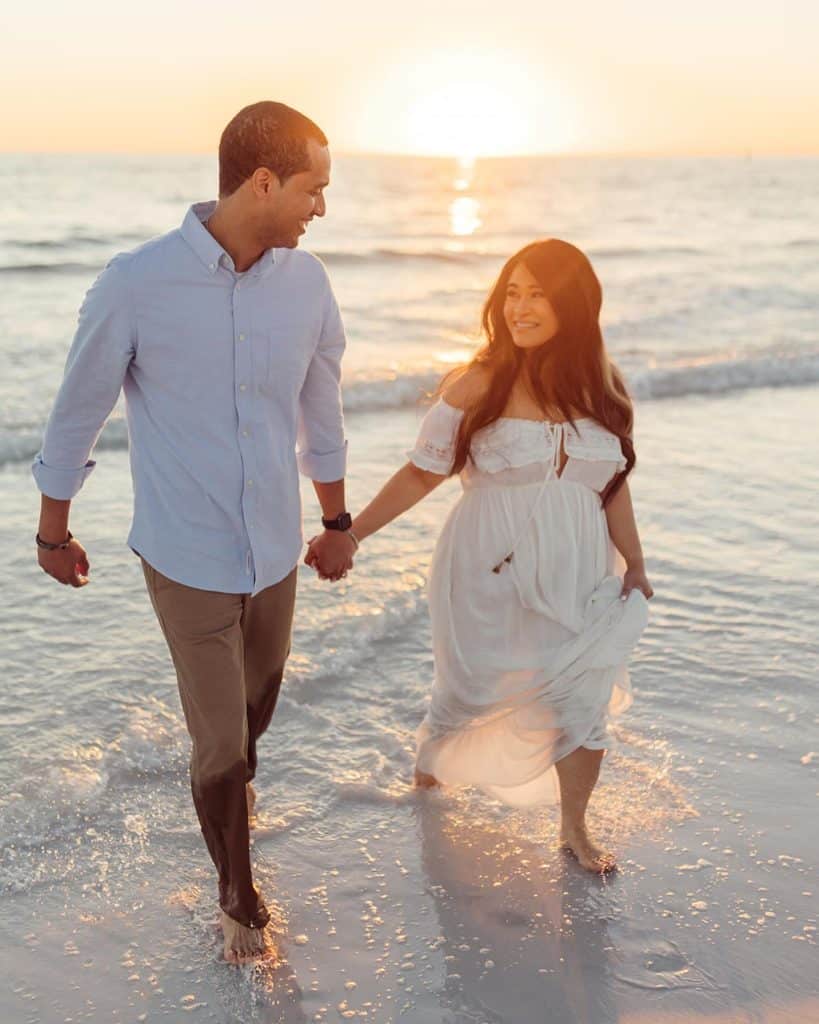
(748, 153)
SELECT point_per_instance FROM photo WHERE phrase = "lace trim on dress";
(512, 443)
(435, 448)
(437, 451)
(598, 447)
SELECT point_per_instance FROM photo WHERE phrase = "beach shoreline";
(393, 905)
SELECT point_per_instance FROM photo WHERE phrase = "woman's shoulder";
(466, 385)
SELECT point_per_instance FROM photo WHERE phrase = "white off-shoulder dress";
(530, 660)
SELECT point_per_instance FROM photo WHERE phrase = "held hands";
(635, 579)
(68, 565)
(331, 554)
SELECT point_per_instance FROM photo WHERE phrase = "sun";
(470, 105)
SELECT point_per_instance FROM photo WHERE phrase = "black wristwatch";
(341, 522)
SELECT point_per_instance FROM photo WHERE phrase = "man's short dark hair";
(265, 134)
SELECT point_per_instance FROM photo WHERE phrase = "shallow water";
(394, 905)
(436, 908)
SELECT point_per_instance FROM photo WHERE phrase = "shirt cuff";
(60, 484)
(325, 468)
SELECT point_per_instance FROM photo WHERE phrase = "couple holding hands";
(227, 341)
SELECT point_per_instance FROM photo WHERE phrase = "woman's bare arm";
(403, 490)
(623, 531)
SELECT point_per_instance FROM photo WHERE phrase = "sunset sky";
(431, 77)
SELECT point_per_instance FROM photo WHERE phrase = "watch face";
(341, 522)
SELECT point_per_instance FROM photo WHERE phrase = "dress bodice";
(520, 451)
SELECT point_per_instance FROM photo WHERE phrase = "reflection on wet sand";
(524, 928)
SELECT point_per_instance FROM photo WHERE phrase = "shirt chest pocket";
(281, 355)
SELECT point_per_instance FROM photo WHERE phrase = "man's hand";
(69, 565)
(331, 554)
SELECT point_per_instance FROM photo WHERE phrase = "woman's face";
(526, 310)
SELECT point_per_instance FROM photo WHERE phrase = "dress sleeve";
(435, 448)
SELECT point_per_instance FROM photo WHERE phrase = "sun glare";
(469, 106)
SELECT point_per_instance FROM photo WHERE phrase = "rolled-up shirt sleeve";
(321, 448)
(102, 348)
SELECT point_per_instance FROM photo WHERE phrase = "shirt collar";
(208, 250)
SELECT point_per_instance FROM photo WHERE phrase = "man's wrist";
(48, 545)
(343, 521)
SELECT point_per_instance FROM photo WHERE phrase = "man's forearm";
(331, 498)
(54, 514)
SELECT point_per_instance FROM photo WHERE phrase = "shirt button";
(250, 483)
(243, 387)
(245, 433)
(241, 337)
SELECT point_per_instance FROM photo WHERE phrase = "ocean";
(392, 905)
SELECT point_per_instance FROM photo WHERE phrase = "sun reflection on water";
(463, 216)
(466, 171)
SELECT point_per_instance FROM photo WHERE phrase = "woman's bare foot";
(424, 781)
(589, 856)
(242, 945)
(251, 804)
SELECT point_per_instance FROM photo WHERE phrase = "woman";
(531, 627)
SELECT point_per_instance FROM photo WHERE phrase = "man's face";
(288, 208)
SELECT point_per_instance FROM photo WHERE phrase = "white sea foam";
(373, 394)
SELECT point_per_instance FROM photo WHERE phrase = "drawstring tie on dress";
(558, 433)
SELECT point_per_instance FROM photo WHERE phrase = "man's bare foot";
(589, 856)
(251, 804)
(242, 945)
(425, 781)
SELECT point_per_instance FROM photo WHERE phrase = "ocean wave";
(78, 238)
(499, 255)
(72, 267)
(640, 252)
(310, 678)
(78, 787)
(400, 392)
(333, 257)
(720, 376)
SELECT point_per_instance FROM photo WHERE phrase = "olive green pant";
(229, 651)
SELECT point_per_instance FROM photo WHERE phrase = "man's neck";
(233, 235)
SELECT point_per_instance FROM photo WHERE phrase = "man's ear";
(263, 181)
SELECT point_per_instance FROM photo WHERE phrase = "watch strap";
(343, 521)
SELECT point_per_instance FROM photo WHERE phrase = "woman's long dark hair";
(570, 375)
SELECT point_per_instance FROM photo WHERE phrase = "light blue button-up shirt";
(232, 384)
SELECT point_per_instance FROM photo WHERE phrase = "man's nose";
(320, 208)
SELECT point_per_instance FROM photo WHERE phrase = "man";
(227, 341)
